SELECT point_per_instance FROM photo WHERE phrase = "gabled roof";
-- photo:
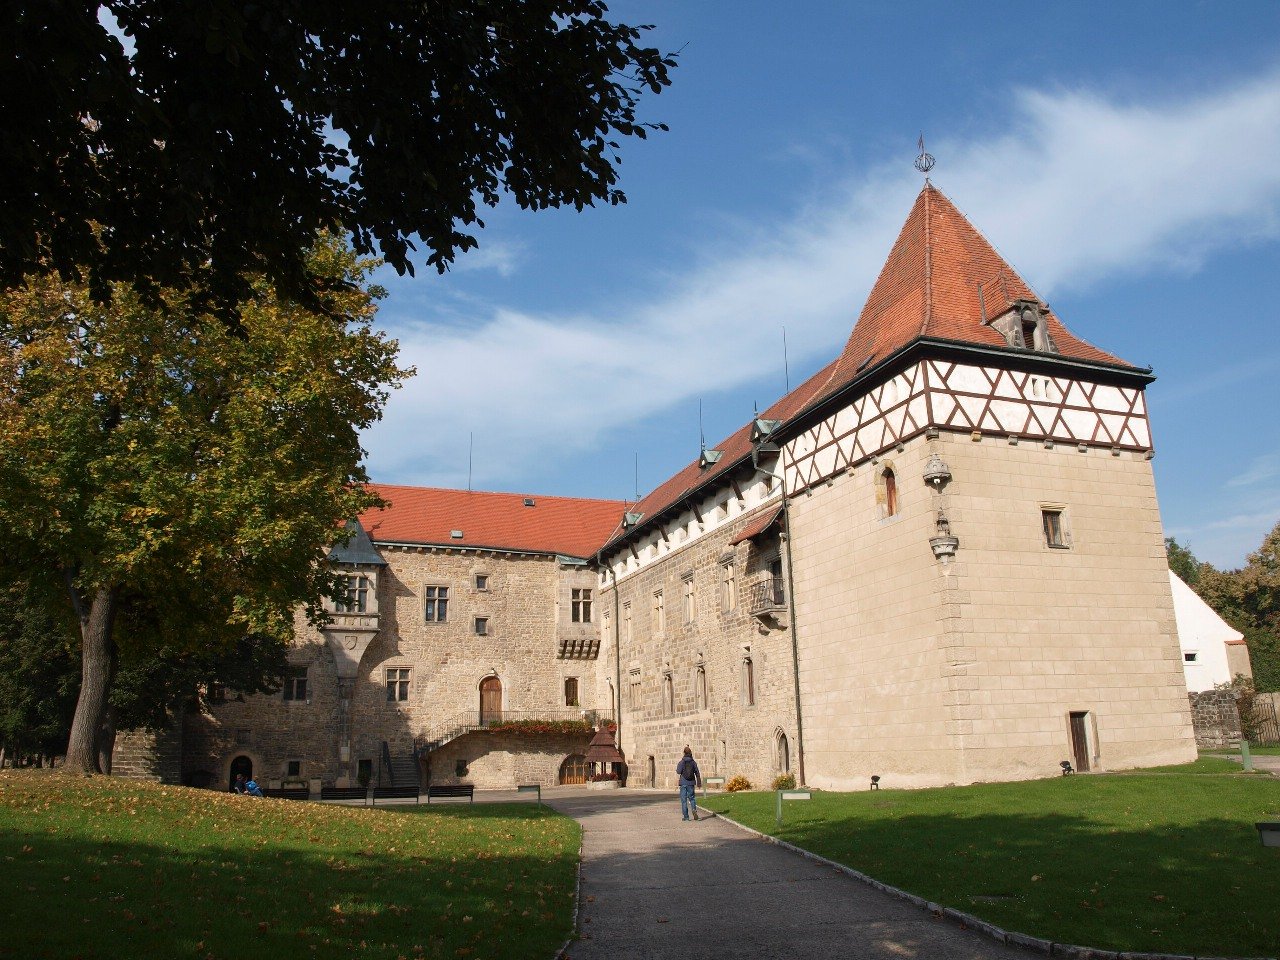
(734, 447)
(570, 526)
(929, 287)
(358, 550)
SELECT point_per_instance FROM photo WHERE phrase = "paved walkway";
(656, 887)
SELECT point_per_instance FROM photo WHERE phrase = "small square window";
(1190, 657)
(295, 684)
(436, 604)
(397, 684)
(294, 768)
(482, 581)
(1054, 535)
(482, 626)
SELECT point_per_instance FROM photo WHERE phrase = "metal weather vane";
(924, 162)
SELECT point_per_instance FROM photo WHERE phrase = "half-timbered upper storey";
(950, 338)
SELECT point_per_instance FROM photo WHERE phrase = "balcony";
(767, 597)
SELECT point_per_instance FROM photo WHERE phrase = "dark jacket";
(687, 770)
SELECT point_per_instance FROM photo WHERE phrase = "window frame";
(354, 595)
(572, 698)
(728, 586)
(481, 581)
(480, 626)
(398, 686)
(1053, 526)
(659, 612)
(435, 603)
(580, 601)
(689, 600)
(295, 685)
(748, 681)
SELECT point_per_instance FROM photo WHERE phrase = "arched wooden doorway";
(240, 764)
(575, 769)
(490, 700)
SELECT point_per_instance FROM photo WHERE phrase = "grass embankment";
(106, 867)
(1165, 863)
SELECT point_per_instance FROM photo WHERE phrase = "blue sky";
(1124, 157)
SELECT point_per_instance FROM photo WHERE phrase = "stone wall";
(149, 756)
(526, 601)
(502, 760)
(1216, 718)
(728, 735)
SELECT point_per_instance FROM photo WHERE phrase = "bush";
(784, 781)
(737, 783)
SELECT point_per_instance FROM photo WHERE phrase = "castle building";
(939, 560)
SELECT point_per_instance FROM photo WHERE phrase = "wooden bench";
(531, 788)
(455, 791)
(344, 793)
(395, 793)
(287, 793)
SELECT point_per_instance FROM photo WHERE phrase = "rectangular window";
(294, 768)
(748, 682)
(397, 684)
(243, 736)
(482, 626)
(626, 621)
(354, 596)
(217, 693)
(728, 587)
(1190, 657)
(581, 605)
(690, 601)
(295, 684)
(482, 582)
(635, 694)
(571, 691)
(1053, 535)
(659, 613)
(436, 604)
(668, 695)
(607, 622)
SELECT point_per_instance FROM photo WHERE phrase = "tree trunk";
(107, 738)
(97, 661)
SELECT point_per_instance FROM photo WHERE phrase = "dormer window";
(1024, 325)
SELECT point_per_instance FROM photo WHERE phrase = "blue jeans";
(688, 799)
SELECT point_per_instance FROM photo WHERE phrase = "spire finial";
(924, 162)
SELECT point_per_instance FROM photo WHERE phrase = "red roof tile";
(929, 285)
(757, 526)
(568, 525)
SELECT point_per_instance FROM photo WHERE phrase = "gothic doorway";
(239, 765)
(490, 700)
(574, 769)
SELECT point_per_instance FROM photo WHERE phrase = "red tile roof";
(567, 525)
(929, 285)
(757, 526)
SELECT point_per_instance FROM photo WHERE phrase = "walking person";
(690, 780)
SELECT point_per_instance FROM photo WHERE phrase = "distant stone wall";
(1215, 718)
(501, 761)
(143, 755)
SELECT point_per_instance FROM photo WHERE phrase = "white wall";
(1204, 633)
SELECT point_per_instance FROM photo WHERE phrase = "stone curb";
(577, 902)
(989, 930)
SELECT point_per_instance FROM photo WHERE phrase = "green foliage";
(1182, 562)
(39, 672)
(191, 476)
(1249, 600)
(172, 872)
(736, 783)
(1164, 863)
(233, 132)
(784, 781)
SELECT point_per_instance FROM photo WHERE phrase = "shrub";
(784, 781)
(737, 783)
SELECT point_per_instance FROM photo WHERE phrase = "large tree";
(178, 476)
(221, 135)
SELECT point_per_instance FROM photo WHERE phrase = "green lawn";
(1163, 863)
(105, 867)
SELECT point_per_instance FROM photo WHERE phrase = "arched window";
(890, 492)
(782, 752)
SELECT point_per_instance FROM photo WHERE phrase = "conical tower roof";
(357, 551)
(943, 279)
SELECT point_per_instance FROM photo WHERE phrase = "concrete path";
(656, 887)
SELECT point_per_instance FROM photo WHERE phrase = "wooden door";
(490, 700)
(1080, 741)
(574, 769)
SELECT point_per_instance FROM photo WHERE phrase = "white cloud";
(1263, 468)
(501, 256)
(1079, 188)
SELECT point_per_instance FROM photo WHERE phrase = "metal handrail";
(767, 594)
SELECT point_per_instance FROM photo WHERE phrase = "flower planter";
(1270, 833)
(604, 785)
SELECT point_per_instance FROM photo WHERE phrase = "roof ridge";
(495, 493)
(928, 258)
